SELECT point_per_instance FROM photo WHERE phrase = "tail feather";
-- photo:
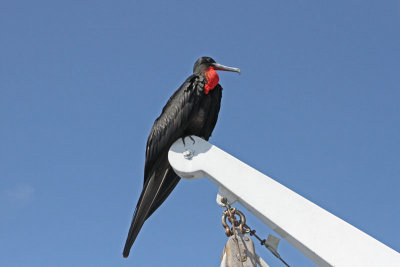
(146, 201)
(171, 180)
(137, 222)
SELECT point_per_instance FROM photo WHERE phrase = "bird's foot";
(191, 138)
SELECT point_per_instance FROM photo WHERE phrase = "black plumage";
(191, 110)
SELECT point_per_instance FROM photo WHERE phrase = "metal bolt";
(188, 154)
(246, 238)
(224, 200)
(244, 258)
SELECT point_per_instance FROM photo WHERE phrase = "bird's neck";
(212, 79)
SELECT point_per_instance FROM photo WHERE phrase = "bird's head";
(207, 66)
(205, 63)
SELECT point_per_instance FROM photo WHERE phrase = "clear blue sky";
(81, 82)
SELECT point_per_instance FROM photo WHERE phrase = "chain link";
(230, 214)
(243, 227)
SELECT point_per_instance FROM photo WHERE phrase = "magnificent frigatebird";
(191, 110)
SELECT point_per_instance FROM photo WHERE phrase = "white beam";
(324, 238)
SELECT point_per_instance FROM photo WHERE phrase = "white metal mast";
(324, 238)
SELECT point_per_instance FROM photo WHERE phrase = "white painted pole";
(324, 238)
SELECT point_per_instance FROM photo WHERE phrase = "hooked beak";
(218, 66)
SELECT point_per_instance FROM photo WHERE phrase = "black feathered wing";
(171, 179)
(159, 178)
(213, 111)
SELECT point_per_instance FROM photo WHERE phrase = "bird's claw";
(191, 138)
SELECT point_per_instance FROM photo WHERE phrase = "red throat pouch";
(212, 79)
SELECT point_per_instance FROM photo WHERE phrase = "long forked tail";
(155, 191)
(149, 194)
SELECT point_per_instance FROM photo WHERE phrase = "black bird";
(191, 110)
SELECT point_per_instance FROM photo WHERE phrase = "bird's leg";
(191, 138)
